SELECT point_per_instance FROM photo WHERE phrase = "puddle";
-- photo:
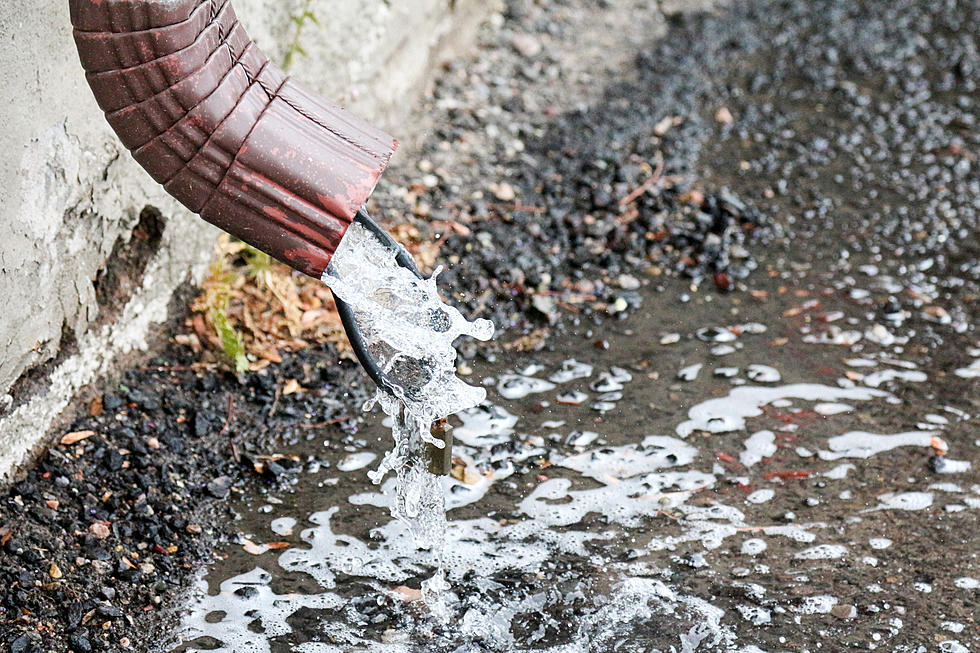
(697, 512)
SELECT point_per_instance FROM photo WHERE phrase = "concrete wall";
(70, 196)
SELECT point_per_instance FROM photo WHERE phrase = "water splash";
(410, 332)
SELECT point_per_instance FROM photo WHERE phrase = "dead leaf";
(276, 546)
(531, 342)
(76, 436)
(408, 594)
(291, 387)
(253, 548)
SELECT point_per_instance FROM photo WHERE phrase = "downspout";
(230, 136)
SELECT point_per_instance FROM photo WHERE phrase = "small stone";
(110, 611)
(526, 45)
(99, 530)
(936, 314)
(670, 339)
(724, 116)
(194, 529)
(220, 487)
(844, 611)
(80, 643)
(20, 645)
(504, 192)
(55, 571)
(628, 282)
(546, 306)
(76, 436)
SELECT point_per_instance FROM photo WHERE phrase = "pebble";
(844, 611)
(504, 192)
(220, 487)
(526, 45)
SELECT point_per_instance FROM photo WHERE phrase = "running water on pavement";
(410, 331)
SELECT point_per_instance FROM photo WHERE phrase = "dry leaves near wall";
(252, 308)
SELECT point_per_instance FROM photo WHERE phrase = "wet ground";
(760, 222)
(735, 486)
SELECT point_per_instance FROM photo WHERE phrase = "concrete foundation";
(91, 250)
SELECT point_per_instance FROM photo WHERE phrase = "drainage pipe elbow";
(224, 130)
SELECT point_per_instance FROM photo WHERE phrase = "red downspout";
(224, 130)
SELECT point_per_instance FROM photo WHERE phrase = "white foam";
(860, 444)
(355, 461)
(832, 409)
(611, 464)
(822, 552)
(485, 425)
(761, 496)
(754, 546)
(971, 371)
(763, 374)
(818, 604)
(554, 503)
(518, 386)
(840, 472)
(240, 601)
(726, 414)
(283, 526)
(903, 501)
(876, 379)
(760, 445)
(570, 371)
(690, 373)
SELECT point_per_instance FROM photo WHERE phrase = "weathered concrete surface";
(70, 194)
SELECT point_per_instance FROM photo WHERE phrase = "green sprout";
(300, 20)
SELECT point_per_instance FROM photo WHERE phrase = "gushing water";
(410, 331)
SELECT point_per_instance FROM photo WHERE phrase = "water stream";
(410, 332)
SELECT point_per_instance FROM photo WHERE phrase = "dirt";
(817, 158)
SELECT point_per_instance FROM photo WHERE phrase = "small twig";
(648, 184)
(275, 401)
(179, 368)
(518, 207)
(230, 415)
(570, 296)
(329, 422)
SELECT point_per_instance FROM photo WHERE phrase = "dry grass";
(252, 308)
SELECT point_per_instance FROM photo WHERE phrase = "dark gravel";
(103, 533)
